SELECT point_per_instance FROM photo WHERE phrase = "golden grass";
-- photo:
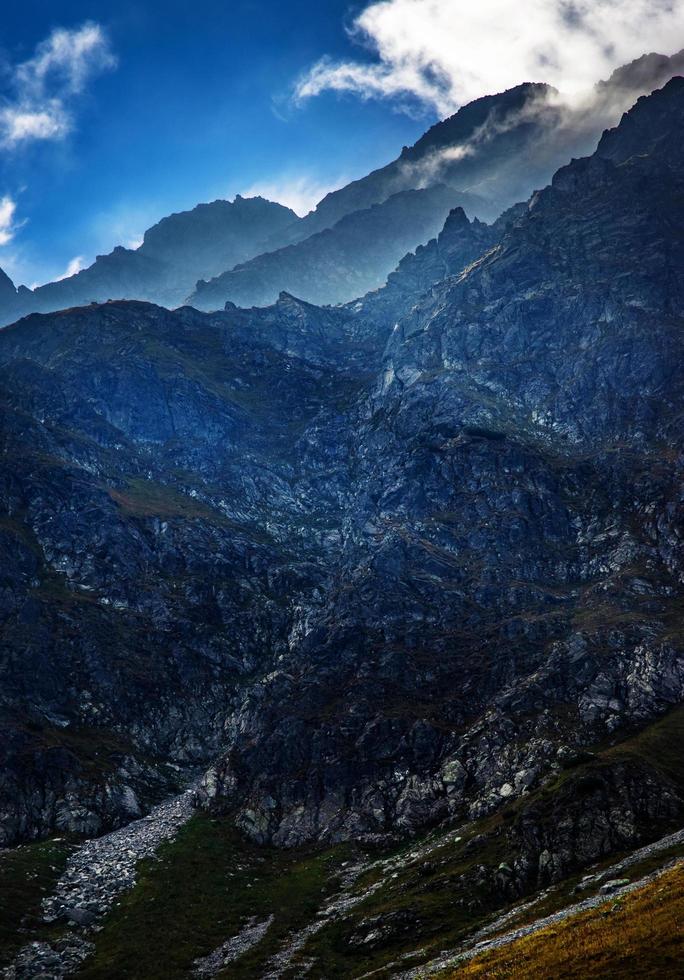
(639, 936)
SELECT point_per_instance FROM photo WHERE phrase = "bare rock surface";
(252, 933)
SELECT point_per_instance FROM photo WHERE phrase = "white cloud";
(37, 101)
(74, 266)
(301, 193)
(445, 53)
(8, 227)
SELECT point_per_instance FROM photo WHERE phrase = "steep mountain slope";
(113, 417)
(509, 588)
(163, 510)
(511, 119)
(174, 254)
(341, 263)
(458, 245)
(491, 153)
(412, 560)
(495, 151)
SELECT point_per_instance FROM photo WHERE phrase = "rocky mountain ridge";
(491, 154)
(340, 263)
(501, 147)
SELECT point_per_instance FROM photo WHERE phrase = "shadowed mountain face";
(174, 254)
(157, 530)
(509, 584)
(391, 562)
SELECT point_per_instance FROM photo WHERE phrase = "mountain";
(399, 580)
(500, 147)
(458, 245)
(153, 501)
(491, 154)
(174, 253)
(511, 118)
(338, 264)
(7, 289)
(511, 556)
(496, 150)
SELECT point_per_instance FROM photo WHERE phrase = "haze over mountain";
(491, 154)
(502, 147)
(342, 262)
(173, 254)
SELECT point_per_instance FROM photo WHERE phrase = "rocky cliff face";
(158, 535)
(509, 586)
(390, 563)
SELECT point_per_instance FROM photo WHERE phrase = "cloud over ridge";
(444, 53)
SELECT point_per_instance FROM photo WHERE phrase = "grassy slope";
(442, 906)
(27, 875)
(210, 881)
(639, 936)
(204, 887)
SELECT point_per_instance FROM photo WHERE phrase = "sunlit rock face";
(383, 563)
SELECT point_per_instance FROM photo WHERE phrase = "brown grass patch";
(641, 935)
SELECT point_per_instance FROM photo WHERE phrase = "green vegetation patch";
(201, 891)
(27, 875)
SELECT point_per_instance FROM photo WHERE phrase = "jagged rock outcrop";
(389, 568)
(458, 245)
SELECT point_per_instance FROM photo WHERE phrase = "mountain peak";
(7, 287)
(465, 122)
(644, 74)
(653, 117)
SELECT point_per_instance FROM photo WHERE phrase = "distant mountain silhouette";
(492, 153)
(175, 252)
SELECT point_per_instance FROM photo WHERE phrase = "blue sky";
(197, 107)
(113, 114)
